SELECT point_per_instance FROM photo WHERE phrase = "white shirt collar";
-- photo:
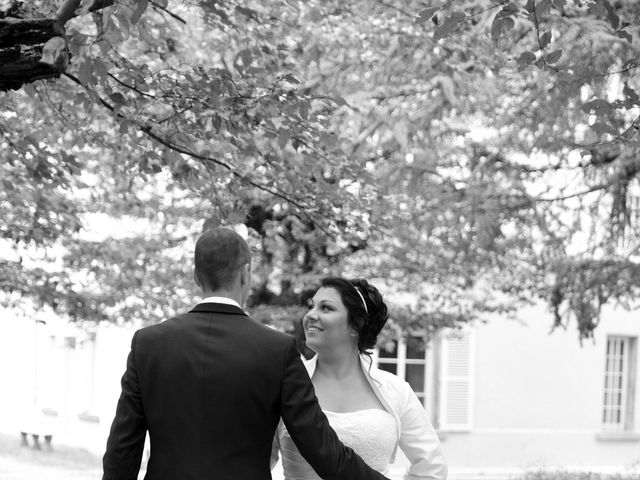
(225, 300)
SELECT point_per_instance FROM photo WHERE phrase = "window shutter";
(456, 381)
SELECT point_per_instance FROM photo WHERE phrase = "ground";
(64, 463)
(61, 463)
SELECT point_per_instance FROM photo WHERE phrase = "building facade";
(505, 396)
(508, 395)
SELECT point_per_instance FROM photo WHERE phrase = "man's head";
(223, 262)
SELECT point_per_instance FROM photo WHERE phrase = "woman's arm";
(419, 441)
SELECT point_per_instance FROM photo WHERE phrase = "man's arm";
(310, 430)
(126, 440)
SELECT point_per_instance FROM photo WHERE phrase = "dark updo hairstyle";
(367, 322)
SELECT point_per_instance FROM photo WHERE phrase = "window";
(405, 358)
(619, 384)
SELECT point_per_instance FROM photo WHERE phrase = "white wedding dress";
(371, 433)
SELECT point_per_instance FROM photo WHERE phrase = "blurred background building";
(504, 395)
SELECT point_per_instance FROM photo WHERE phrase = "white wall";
(56, 377)
(538, 396)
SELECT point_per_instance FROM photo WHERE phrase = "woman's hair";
(367, 311)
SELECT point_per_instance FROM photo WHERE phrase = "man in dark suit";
(210, 386)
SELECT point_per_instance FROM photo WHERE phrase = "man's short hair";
(219, 254)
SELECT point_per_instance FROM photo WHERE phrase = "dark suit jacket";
(210, 387)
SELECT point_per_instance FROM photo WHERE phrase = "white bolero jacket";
(415, 435)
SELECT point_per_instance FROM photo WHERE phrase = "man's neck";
(223, 293)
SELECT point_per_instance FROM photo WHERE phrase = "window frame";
(401, 361)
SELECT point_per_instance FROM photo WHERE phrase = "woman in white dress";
(372, 411)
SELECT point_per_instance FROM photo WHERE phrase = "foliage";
(476, 154)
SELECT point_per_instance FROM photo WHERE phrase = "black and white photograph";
(321, 239)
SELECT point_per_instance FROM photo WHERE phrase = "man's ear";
(245, 274)
(196, 279)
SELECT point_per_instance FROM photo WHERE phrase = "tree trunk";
(30, 50)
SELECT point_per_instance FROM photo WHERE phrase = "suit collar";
(218, 299)
(219, 308)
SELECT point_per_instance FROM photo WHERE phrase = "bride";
(372, 411)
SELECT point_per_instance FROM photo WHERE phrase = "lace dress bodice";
(370, 433)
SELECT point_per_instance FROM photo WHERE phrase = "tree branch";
(131, 87)
(536, 22)
(168, 12)
(595, 188)
(67, 11)
(147, 129)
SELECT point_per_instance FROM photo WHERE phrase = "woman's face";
(326, 324)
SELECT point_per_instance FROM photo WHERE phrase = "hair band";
(362, 298)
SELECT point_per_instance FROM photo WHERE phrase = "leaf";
(85, 73)
(304, 109)
(112, 32)
(599, 106)
(141, 6)
(335, 99)
(117, 98)
(290, 78)
(100, 69)
(500, 26)
(450, 24)
(54, 53)
(248, 12)
(554, 56)
(545, 38)
(243, 60)
(426, 14)
(224, 18)
(624, 35)
(542, 8)
(401, 133)
(526, 58)
(447, 87)
(283, 137)
(631, 94)
(604, 128)
(613, 18)
(511, 8)
(457, 16)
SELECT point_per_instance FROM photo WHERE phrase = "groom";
(210, 386)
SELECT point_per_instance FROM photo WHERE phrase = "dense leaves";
(469, 156)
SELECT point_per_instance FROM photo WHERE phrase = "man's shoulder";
(164, 326)
(268, 332)
(181, 321)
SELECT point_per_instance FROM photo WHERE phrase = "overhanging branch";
(148, 130)
(67, 11)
